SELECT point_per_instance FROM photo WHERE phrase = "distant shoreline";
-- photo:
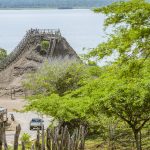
(46, 8)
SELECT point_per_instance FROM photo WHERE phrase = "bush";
(26, 139)
(3, 54)
(57, 76)
(45, 45)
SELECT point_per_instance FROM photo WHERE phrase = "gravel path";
(21, 118)
(24, 120)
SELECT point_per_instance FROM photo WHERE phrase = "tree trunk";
(137, 140)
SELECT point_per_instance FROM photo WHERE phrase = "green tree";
(127, 87)
(58, 76)
(55, 79)
(120, 89)
(3, 54)
(124, 93)
(131, 30)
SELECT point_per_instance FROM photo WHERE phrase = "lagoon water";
(81, 27)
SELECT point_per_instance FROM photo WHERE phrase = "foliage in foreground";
(131, 30)
(118, 94)
(26, 139)
(121, 90)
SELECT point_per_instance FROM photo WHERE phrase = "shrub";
(26, 139)
(45, 45)
(3, 54)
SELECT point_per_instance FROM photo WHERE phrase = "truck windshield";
(36, 120)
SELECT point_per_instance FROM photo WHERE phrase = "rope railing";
(30, 34)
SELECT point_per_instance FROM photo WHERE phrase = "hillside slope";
(27, 57)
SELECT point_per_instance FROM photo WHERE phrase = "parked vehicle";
(36, 123)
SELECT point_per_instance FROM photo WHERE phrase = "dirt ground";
(20, 118)
(12, 105)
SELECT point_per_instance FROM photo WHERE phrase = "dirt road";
(21, 118)
(12, 105)
(24, 120)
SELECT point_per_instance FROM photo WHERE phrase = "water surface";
(81, 27)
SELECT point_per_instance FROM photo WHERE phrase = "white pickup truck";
(36, 123)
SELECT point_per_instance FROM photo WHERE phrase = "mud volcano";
(28, 56)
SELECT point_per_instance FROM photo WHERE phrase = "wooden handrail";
(30, 34)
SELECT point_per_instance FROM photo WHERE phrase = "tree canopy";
(131, 30)
(120, 89)
(59, 76)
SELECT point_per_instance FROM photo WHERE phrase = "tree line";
(53, 3)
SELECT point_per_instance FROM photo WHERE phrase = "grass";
(95, 143)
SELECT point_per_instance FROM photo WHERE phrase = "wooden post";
(77, 138)
(82, 132)
(69, 143)
(43, 138)
(4, 139)
(37, 143)
(55, 140)
(1, 134)
(63, 137)
(48, 139)
(16, 138)
(32, 148)
(12, 93)
(67, 139)
(23, 145)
